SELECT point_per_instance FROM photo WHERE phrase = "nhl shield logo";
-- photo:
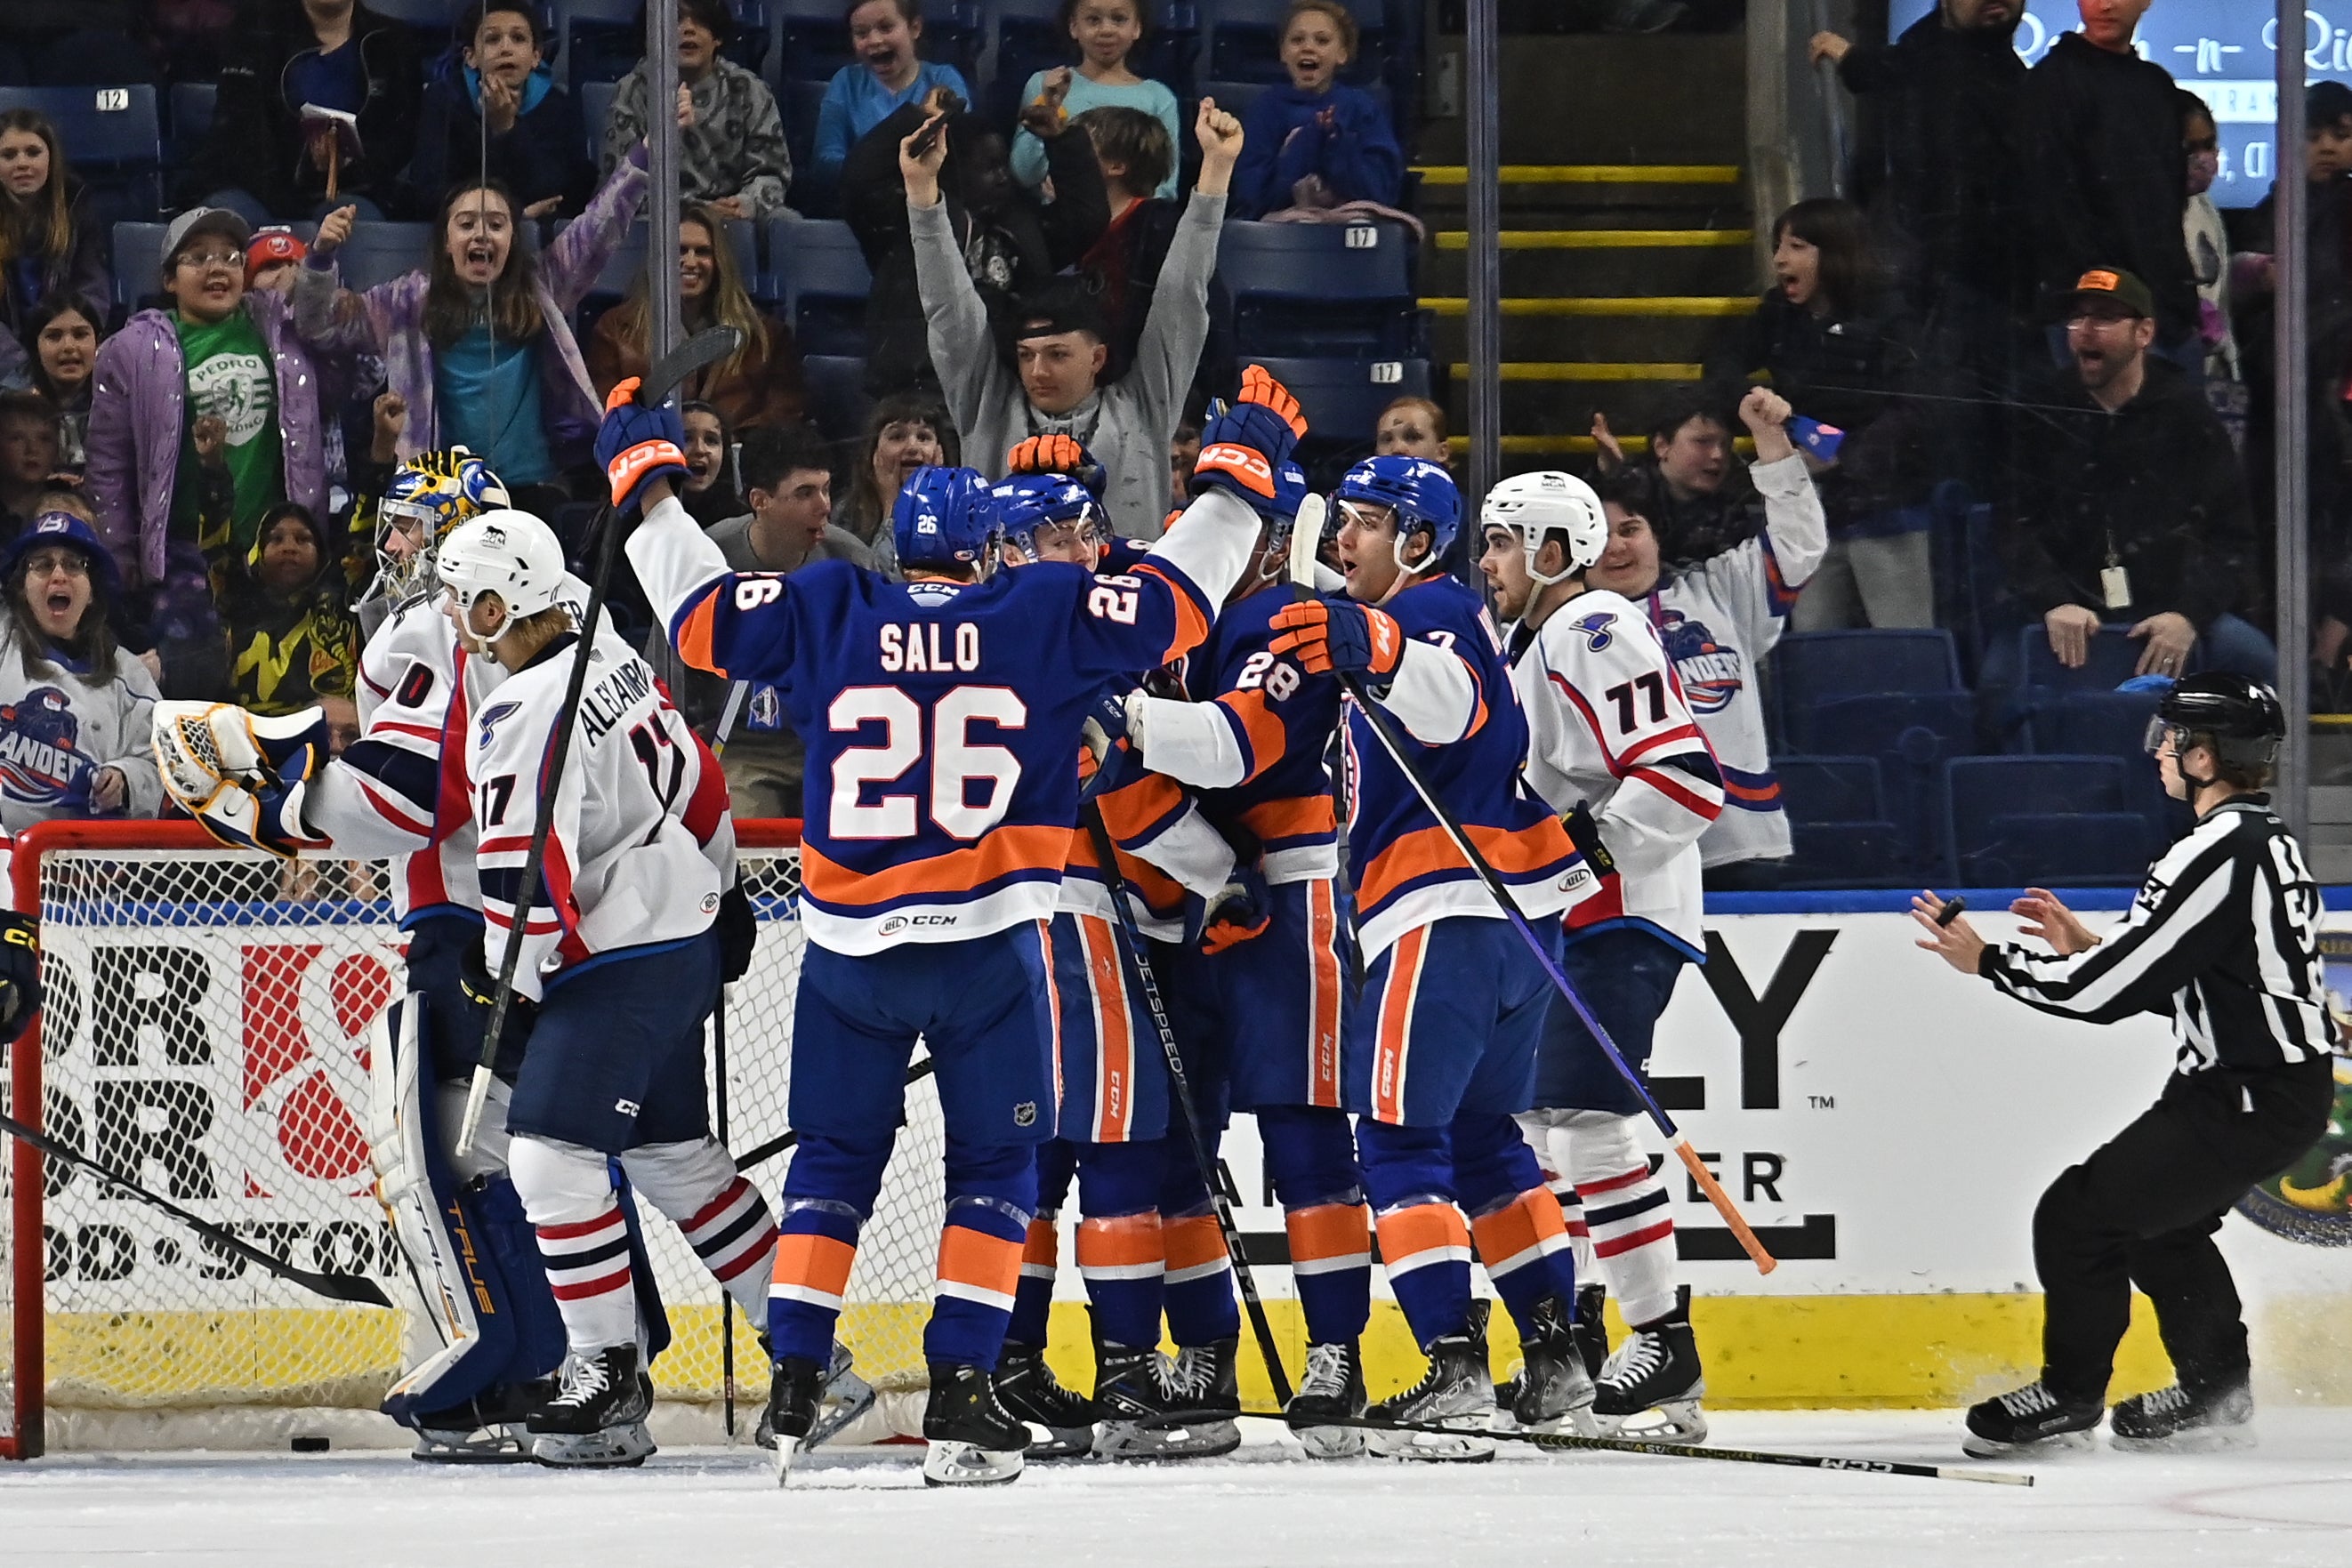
(1025, 1113)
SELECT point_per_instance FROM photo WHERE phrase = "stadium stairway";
(1628, 247)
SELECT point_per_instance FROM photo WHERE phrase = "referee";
(2224, 936)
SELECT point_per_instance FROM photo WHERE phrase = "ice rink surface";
(2287, 1503)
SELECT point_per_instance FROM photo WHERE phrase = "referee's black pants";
(2142, 1210)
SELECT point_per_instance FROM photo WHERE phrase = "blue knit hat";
(62, 528)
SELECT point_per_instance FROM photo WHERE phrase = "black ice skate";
(2029, 1418)
(597, 1417)
(846, 1397)
(1030, 1393)
(1551, 1391)
(973, 1441)
(1591, 1329)
(492, 1428)
(1457, 1392)
(1655, 1370)
(2179, 1419)
(795, 1395)
(1149, 1411)
(1332, 1391)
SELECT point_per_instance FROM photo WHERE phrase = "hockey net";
(206, 1034)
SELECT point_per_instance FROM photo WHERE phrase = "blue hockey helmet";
(1027, 502)
(1420, 493)
(944, 518)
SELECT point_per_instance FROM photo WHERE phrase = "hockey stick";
(782, 1141)
(1181, 1090)
(356, 1289)
(705, 348)
(1306, 535)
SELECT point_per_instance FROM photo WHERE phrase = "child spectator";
(1412, 427)
(888, 77)
(219, 350)
(76, 711)
(28, 455)
(479, 341)
(730, 149)
(50, 242)
(537, 146)
(1107, 33)
(286, 607)
(710, 494)
(759, 384)
(61, 343)
(334, 54)
(1698, 512)
(1133, 151)
(1830, 356)
(1316, 143)
(275, 260)
(2209, 264)
(905, 431)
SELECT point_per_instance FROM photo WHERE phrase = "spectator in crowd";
(888, 77)
(50, 241)
(60, 343)
(904, 430)
(274, 259)
(731, 153)
(1131, 149)
(1700, 511)
(709, 494)
(2130, 505)
(479, 341)
(1183, 456)
(2105, 171)
(1012, 244)
(536, 147)
(2209, 262)
(1107, 33)
(1317, 143)
(1053, 383)
(759, 384)
(1817, 337)
(75, 710)
(1718, 618)
(286, 607)
(219, 350)
(261, 160)
(28, 457)
(1412, 427)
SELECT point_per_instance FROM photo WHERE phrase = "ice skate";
(1656, 1370)
(2029, 1420)
(846, 1397)
(1457, 1392)
(1331, 1391)
(1591, 1329)
(597, 1418)
(490, 1430)
(1030, 1393)
(1552, 1392)
(2179, 1420)
(796, 1397)
(973, 1441)
(1148, 1412)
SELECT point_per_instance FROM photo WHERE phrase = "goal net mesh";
(206, 1033)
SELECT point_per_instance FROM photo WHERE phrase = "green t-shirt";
(230, 374)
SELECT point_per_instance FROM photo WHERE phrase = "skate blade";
(1330, 1442)
(1578, 1422)
(1195, 1440)
(1676, 1421)
(2190, 1440)
(1434, 1447)
(615, 1448)
(787, 1450)
(1977, 1448)
(485, 1445)
(952, 1464)
(1060, 1442)
(847, 1398)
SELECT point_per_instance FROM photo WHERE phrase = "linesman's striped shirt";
(2224, 935)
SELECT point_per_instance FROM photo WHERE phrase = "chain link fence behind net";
(208, 1031)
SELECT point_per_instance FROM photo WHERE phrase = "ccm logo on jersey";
(625, 1107)
(917, 647)
(897, 923)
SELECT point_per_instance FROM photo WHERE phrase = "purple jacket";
(136, 421)
(389, 320)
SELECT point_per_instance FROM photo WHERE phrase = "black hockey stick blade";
(705, 349)
(356, 1289)
(782, 1141)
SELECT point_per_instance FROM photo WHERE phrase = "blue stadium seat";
(817, 278)
(799, 102)
(191, 116)
(1837, 817)
(596, 107)
(1322, 290)
(1244, 40)
(1912, 735)
(1233, 97)
(113, 137)
(837, 399)
(2112, 724)
(2054, 820)
(1813, 665)
(602, 40)
(433, 21)
(138, 267)
(813, 38)
(2112, 656)
(1342, 399)
(378, 252)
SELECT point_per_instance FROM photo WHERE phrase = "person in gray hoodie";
(1053, 383)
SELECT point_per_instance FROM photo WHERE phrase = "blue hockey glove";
(636, 443)
(1327, 634)
(1241, 910)
(1110, 760)
(1243, 449)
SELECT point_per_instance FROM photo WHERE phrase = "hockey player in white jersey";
(1613, 747)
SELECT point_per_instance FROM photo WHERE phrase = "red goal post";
(207, 1032)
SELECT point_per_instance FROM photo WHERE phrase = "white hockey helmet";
(511, 554)
(1538, 506)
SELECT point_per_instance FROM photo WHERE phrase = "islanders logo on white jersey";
(1711, 674)
(40, 760)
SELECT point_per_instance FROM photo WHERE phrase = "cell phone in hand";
(928, 138)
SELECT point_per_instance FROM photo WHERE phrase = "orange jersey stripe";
(1004, 852)
(1268, 738)
(1327, 1234)
(1125, 1242)
(1194, 1242)
(1191, 621)
(1041, 1251)
(1114, 1106)
(1422, 1234)
(814, 1267)
(1513, 852)
(1053, 1010)
(694, 633)
(1323, 1013)
(1309, 816)
(1133, 808)
(1518, 1233)
(1393, 1041)
(978, 1266)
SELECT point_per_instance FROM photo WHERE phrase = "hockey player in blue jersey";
(1439, 1055)
(943, 716)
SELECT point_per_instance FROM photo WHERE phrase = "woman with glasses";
(75, 708)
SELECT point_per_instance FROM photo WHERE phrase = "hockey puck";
(309, 1445)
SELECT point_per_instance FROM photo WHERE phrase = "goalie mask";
(429, 495)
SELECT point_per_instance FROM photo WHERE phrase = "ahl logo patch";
(1596, 629)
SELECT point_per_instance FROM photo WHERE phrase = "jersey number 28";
(958, 762)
